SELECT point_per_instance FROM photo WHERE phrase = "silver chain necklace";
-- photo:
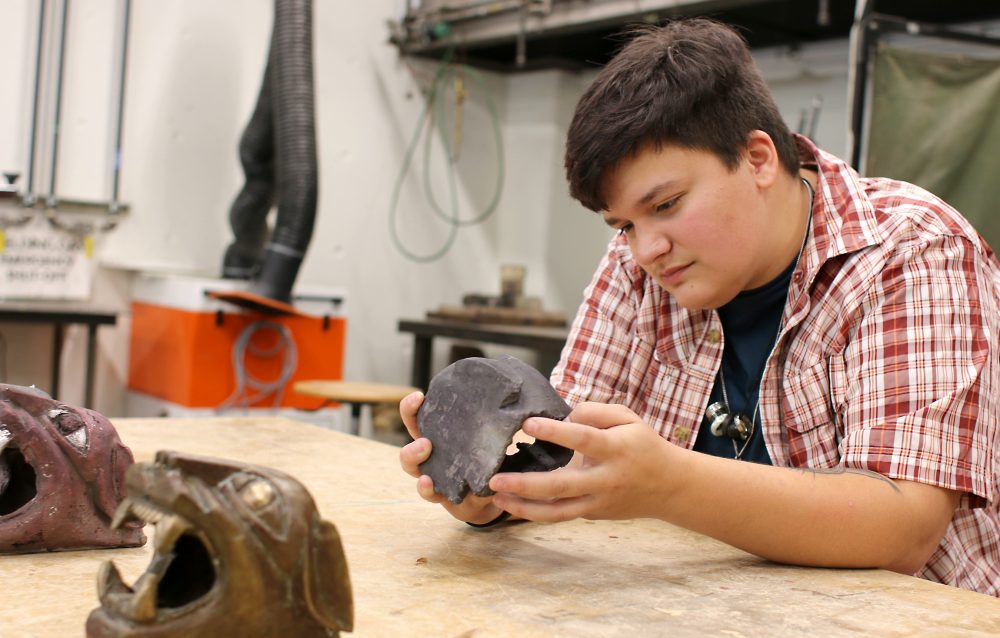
(739, 426)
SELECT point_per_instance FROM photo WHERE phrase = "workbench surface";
(417, 572)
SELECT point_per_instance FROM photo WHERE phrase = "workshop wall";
(194, 72)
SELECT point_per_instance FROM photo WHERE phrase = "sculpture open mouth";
(17, 477)
(181, 572)
(238, 550)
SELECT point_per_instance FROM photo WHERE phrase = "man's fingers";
(425, 489)
(413, 454)
(408, 411)
(544, 512)
(585, 439)
(474, 508)
(602, 415)
(542, 486)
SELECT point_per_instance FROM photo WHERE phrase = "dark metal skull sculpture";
(62, 471)
(240, 550)
(472, 411)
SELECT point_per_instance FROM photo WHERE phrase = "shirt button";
(713, 335)
(682, 434)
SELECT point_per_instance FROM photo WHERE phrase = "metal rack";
(19, 206)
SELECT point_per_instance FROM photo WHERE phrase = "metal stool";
(360, 395)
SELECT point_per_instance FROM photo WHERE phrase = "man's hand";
(621, 460)
(839, 517)
(474, 509)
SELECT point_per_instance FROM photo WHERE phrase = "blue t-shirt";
(750, 324)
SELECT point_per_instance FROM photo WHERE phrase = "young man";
(775, 352)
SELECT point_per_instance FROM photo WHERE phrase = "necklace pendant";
(740, 427)
(719, 418)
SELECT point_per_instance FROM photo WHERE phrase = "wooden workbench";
(417, 572)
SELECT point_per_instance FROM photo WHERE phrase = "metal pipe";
(467, 11)
(823, 13)
(115, 207)
(29, 189)
(902, 25)
(51, 201)
(817, 106)
(521, 55)
(860, 44)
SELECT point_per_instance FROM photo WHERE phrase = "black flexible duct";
(248, 215)
(278, 154)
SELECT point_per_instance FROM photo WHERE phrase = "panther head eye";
(257, 493)
(70, 425)
(262, 499)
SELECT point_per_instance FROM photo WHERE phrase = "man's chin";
(693, 299)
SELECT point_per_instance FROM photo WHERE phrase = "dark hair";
(691, 83)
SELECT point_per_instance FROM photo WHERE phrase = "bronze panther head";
(239, 550)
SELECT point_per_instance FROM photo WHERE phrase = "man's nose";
(649, 246)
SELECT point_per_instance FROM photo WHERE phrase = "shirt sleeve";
(924, 407)
(594, 362)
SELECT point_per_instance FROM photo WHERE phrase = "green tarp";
(935, 122)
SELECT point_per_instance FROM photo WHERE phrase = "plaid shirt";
(887, 360)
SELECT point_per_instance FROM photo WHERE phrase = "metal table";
(59, 314)
(546, 341)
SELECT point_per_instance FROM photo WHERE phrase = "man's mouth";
(180, 573)
(673, 275)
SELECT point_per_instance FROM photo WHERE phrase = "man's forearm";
(833, 518)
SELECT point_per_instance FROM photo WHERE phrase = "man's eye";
(667, 204)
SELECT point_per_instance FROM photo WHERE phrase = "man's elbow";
(919, 536)
(912, 558)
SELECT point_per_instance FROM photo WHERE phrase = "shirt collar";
(844, 219)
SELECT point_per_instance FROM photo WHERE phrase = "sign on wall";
(38, 261)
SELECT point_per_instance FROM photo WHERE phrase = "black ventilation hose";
(248, 214)
(278, 153)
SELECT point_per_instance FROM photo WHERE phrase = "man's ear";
(762, 158)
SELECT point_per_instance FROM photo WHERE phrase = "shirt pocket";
(808, 413)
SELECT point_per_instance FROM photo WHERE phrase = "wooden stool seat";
(354, 391)
(360, 395)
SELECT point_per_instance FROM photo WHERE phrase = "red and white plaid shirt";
(887, 361)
